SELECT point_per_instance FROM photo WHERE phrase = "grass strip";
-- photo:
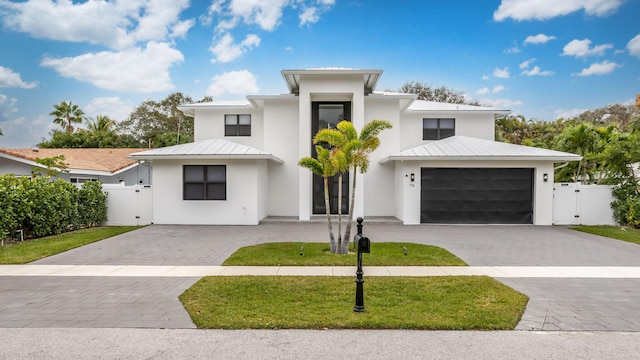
(317, 254)
(31, 250)
(435, 303)
(615, 232)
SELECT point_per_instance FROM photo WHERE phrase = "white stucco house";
(438, 164)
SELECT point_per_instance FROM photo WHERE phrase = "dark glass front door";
(326, 115)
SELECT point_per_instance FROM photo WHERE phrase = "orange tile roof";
(109, 160)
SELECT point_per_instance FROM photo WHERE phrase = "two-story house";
(438, 164)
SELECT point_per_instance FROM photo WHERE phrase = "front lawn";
(279, 302)
(615, 232)
(317, 254)
(31, 250)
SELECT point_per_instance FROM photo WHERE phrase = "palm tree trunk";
(327, 209)
(347, 230)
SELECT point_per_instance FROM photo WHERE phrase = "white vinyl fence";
(128, 205)
(577, 204)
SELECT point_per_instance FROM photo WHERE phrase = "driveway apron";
(151, 302)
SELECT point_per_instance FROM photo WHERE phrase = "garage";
(476, 195)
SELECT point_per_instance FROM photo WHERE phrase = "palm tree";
(581, 139)
(326, 165)
(66, 114)
(356, 149)
(102, 124)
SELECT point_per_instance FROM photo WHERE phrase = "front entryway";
(476, 196)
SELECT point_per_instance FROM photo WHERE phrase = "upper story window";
(436, 129)
(237, 125)
(204, 182)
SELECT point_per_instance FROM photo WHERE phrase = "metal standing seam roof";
(206, 149)
(468, 148)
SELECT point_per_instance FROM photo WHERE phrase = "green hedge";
(626, 206)
(41, 207)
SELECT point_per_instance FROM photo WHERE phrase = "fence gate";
(577, 204)
(129, 205)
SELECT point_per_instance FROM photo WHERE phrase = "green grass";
(438, 303)
(317, 254)
(615, 232)
(31, 250)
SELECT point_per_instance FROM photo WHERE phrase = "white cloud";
(7, 106)
(485, 77)
(601, 68)
(547, 9)
(225, 50)
(525, 64)
(11, 79)
(309, 16)
(485, 90)
(240, 82)
(18, 131)
(264, 13)
(568, 114)
(111, 106)
(538, 39)
(634, 46)
(135, 70)
(581, 48)
(118, 25)
(501, 73)
(512, 50)
(502, 103)
(535, 71)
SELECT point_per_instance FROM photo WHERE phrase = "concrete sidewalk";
(606, 272)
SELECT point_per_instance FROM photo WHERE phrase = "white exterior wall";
(477, 125)
(242, 207)
(281, 130)
(379, 195)
(209, 124)
(542, 191)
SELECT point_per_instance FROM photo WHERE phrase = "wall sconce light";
(413, 177)
(545, 177)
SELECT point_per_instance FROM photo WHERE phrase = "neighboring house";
(439, 163)
(111, 166)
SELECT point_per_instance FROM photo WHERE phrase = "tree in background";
(101, 124)
(66, 114)
(438, 94)
(160, 123)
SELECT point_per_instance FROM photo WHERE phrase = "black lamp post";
(364, 246)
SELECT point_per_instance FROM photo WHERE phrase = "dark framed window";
(204, 182)
(436, 129)
(237, 125)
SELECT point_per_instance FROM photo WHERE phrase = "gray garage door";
(476, 196)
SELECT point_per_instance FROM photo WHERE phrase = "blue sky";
(543, 59)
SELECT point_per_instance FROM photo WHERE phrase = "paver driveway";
(555, 303)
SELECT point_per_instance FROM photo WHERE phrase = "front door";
(326, 115)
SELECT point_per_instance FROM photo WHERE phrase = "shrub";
(626, 206)
(42, 207)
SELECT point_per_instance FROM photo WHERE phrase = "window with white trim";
(204, 182)
(237, 125)
(437, 129)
